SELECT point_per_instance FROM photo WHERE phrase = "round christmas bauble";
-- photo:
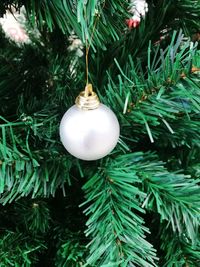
(89, 134)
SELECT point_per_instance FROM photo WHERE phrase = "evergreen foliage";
(19, 250)
(140, 205)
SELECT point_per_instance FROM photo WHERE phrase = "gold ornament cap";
(87, 100)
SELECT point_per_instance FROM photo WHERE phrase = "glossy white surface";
(91, 134)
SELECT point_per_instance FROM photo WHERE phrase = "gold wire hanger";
(88, 99)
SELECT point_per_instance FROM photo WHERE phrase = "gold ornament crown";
(88, 99)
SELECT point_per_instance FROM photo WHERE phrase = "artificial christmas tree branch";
(142, 200)
(144, 97)
(149, 105)
(122, 223)
(179, 250)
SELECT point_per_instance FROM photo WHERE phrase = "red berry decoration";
(132, 23)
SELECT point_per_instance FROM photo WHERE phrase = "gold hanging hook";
(88, 90)
(88, 99)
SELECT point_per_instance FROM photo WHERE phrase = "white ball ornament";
(89, 130)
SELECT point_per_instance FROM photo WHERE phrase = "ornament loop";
(87, 100)
(88, 90)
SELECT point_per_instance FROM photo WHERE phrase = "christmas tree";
(139, 205)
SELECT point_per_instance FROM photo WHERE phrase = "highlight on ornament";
(89, 130)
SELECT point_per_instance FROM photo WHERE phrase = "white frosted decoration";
(89, 134)
(139, 8)
(14, 26)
